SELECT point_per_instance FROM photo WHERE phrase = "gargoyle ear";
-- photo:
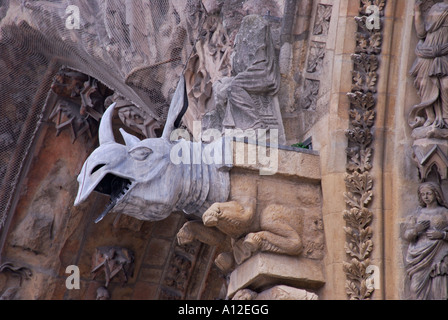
(140, 153)
(178, 107)
(130, 140)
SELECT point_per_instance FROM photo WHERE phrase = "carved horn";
(106, 134)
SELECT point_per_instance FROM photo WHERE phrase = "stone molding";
(358, 179)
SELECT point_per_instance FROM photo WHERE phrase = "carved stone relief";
(113, 261)
(275, 293)
(177, 276)
(248, 99)
(322, 21)
(426, 233)
(209, 62)
(79, 104)
(263, 220)
(316, 57)
(430, 70)
(276, 230)
(9, 289)
(358, 180)
(310, 94)
(427, 118)
(425, 230)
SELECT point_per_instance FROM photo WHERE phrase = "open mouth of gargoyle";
(115, 187)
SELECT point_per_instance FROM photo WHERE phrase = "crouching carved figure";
(144, 182)
(275, 229)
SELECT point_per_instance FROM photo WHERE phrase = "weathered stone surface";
(275, 293)
(281, 161)
(265, 269)
(248, 99)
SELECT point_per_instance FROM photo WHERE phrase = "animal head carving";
(140, 177)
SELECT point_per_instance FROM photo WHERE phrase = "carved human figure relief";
(427, 254)
(248, 99)
(430, 69)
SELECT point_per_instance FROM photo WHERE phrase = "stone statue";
(275, 229)
(430, 70)
(142, 178)
(248, 99)
(427, 255)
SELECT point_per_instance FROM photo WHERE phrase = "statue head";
(426, 189)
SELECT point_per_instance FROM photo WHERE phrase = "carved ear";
(178, 107)
(130, 140)
(140, 153)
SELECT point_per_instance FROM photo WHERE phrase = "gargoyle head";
(140, 177)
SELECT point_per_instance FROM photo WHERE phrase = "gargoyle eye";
(98, 167)
(140, 153)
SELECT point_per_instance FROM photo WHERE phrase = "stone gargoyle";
(146, 180)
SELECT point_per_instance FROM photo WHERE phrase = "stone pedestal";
(265, 270)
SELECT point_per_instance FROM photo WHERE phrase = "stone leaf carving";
(310, 94)
(369, 43)
(323, 18)
(426, 232)
(316, 57)
(364, 74)
(360, 135)
(365, 4)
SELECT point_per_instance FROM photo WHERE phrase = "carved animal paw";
(184, 236)
(252, 242)
(211, 216)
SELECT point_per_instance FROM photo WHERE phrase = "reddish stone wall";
(47, 234)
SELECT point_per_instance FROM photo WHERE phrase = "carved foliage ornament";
(358, 180)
